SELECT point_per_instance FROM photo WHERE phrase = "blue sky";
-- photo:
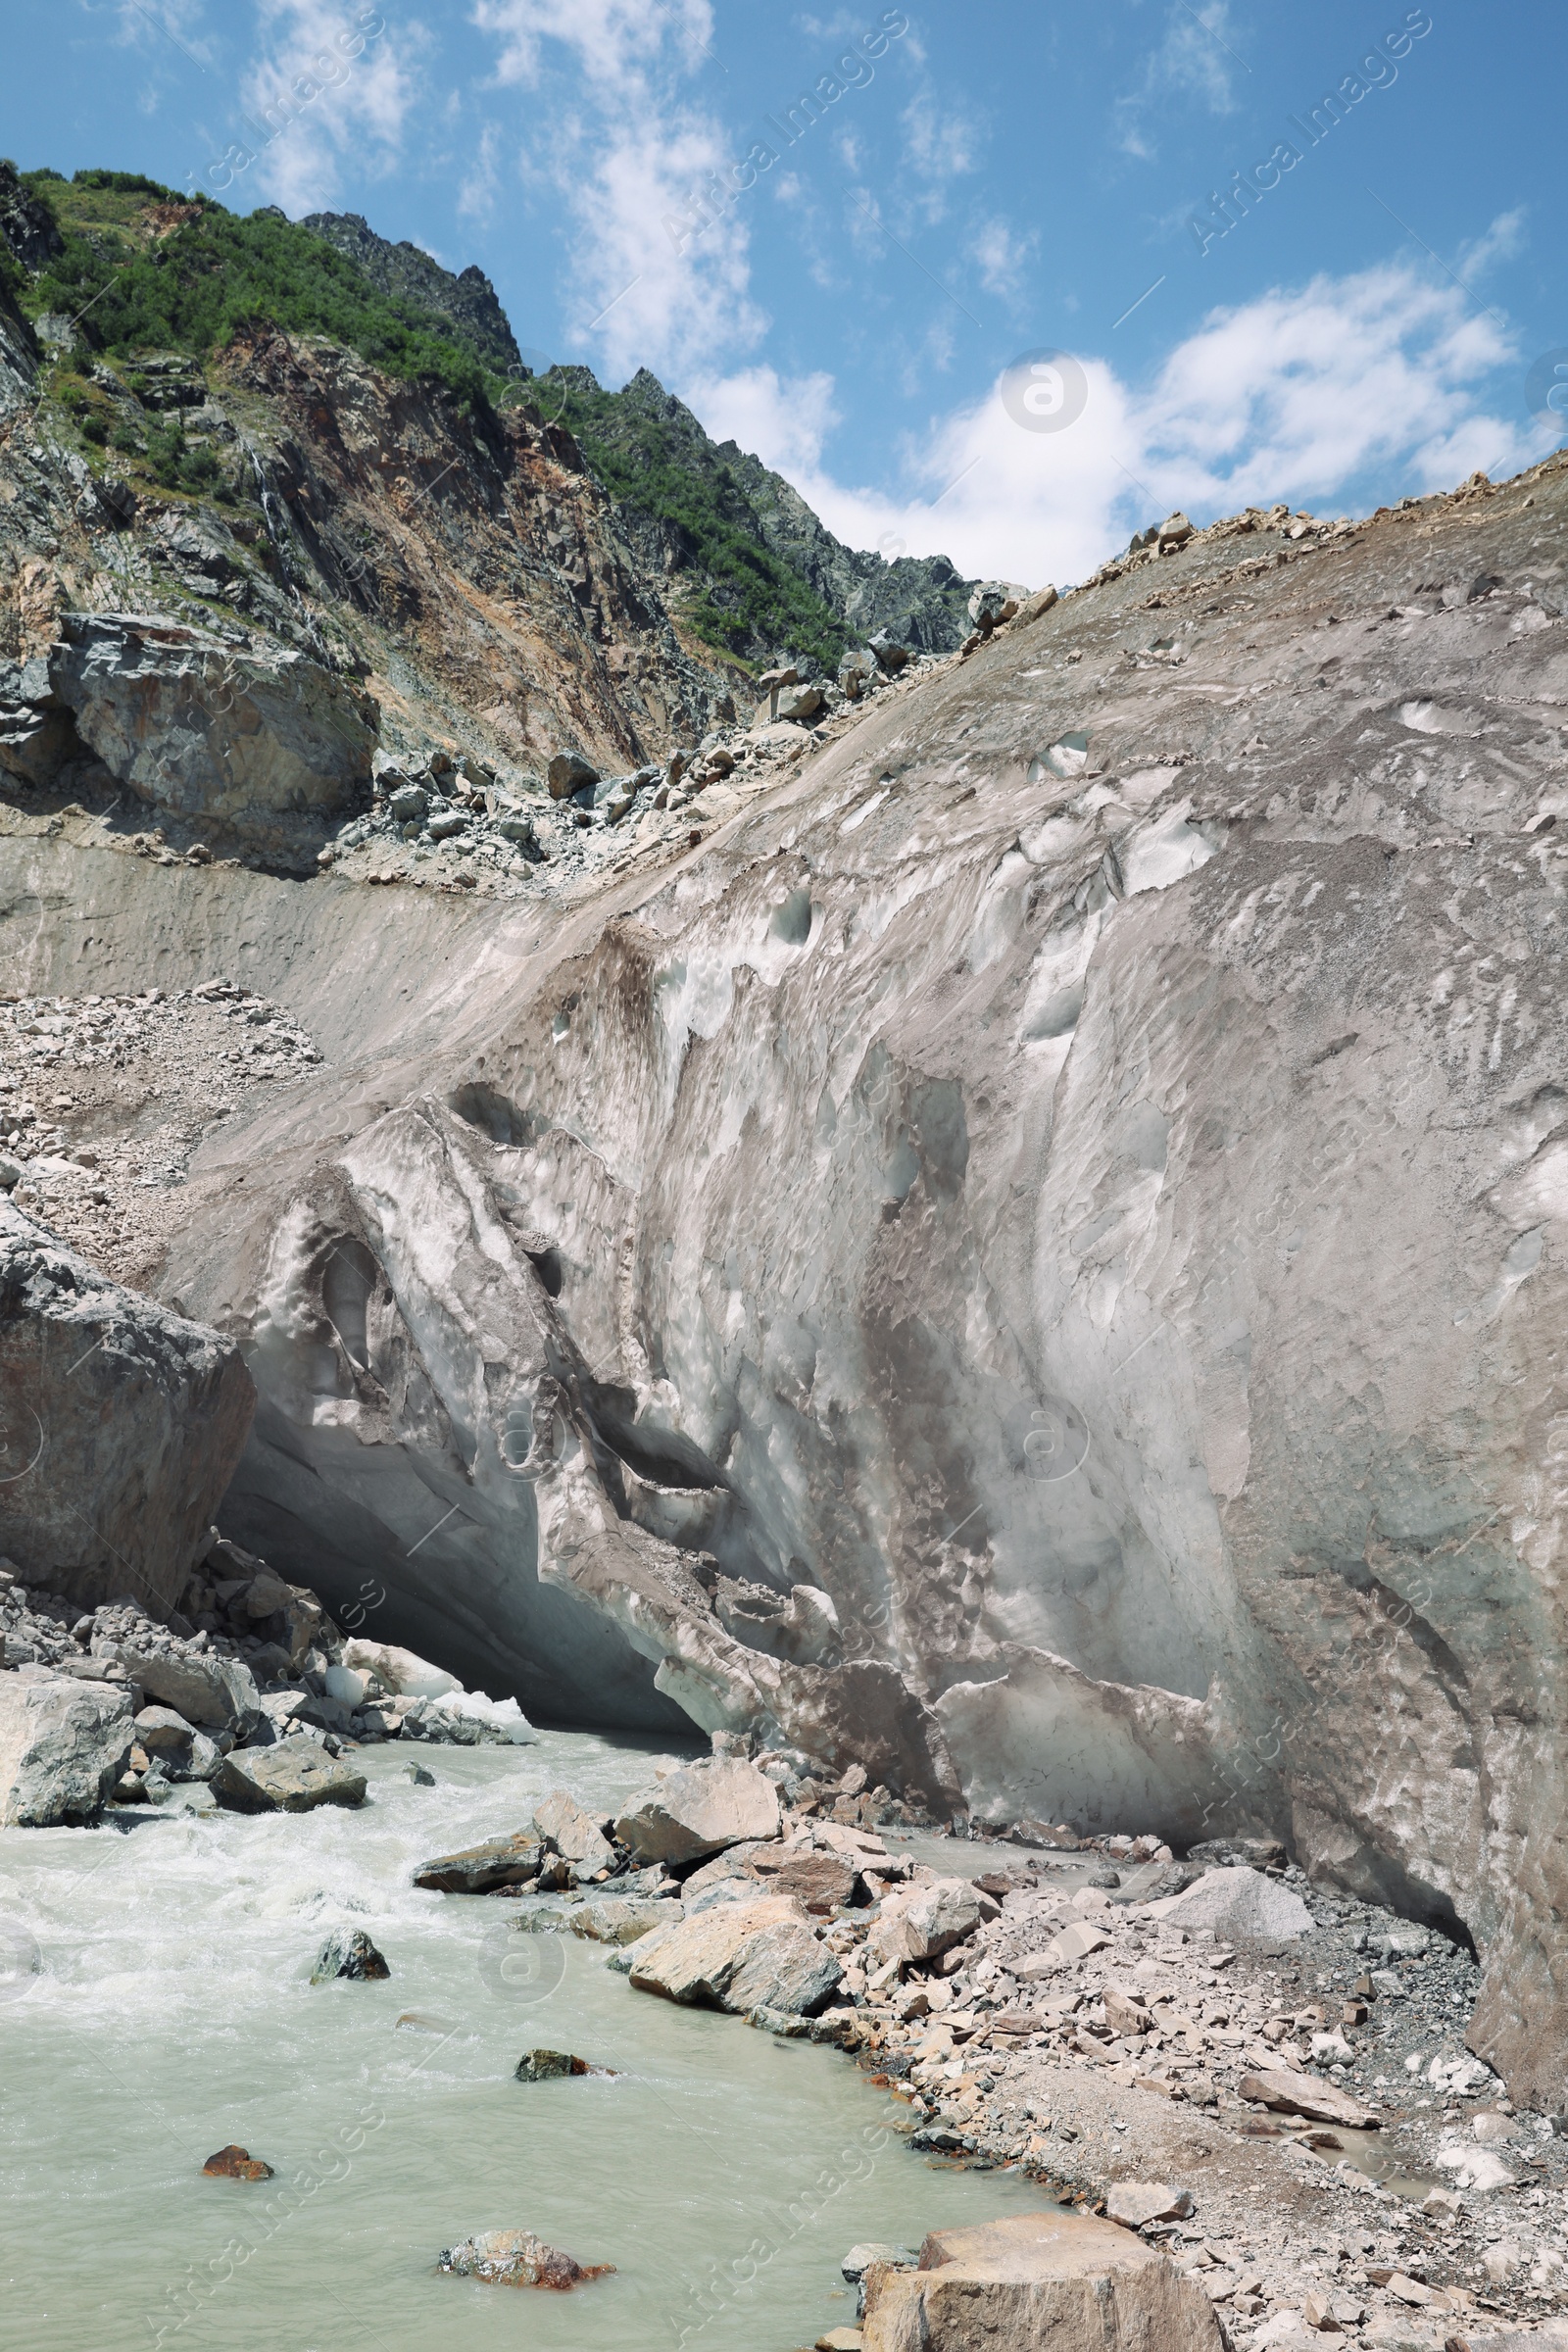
(855, 286)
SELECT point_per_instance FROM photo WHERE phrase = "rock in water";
(516, 2258)
(739, 1956)
(63, 1746)
(1236, 1901)
(712, 1803)
(121, 1422)
(1079, 2286)
(352, 1954)
(481, 1869)
(236, 2163)
(572, 1831)
(294, 1777)
(546, 2065)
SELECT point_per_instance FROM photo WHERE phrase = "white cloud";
(782, 419)
(630, 155)
(1298, 395)
(313, 108)
(1196, 59)
(999, 256)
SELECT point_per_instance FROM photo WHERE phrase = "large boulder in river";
(710, 1804)
(62, 1744)
(120, 1424)
(207, 729)
(293, 1777)
(739, 1956)
(1078, 2284)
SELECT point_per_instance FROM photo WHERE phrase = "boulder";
(889, 655)
(481, 1869)
(623, 1919)
(1137, 2203)
(700, 1810)
(799, 701)
(740, 1956)
(236, 2163)
(348, 1952)
(293, 1777)
(63, 1743)
(194, 725)
(1236, 1901)
(516, 2258)
(1078, 2284)
(548, 2066)
(819, 1883)
(161, 1731)
(925, 1921)
(569, 772)
(574, 1832)
(122, 1423)
(217, 1693)
(1290, 2093)
(992, 603)
(1174, 531)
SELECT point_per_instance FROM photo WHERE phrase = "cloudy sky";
(1008, 282)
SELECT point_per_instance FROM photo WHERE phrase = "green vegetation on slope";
(143, 267)
(753, 597)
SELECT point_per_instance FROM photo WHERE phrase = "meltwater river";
(169, 2012)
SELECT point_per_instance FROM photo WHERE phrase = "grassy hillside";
(141, 267)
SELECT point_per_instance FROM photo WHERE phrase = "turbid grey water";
(723, 2172)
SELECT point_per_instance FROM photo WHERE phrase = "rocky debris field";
(1264, 2079)
(104, 1098)
(453, 823)
(242, 1698)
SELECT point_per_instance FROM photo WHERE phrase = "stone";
(236, 2163)
(444, 823)
(1137, 2203)
(1125, 2013)
(922, 1921)
(480, 1869)
(409, 803)
(1062, 2279)
(574, 1832)
(215, 1693)
(1290, 2093)
(740, 1956)
(840, 2339)
(293, 1777)
(1174, 531)
(621, 1919)
(891, 657)
(63, 1745)
(569, 772)
(348, 1952)
(516, 2258)
(1480, 2169)
(800, 702)
(160, 1731)
(546, 2065)
(1236, 1902)
(715, 1802)
(195, 726)
(819, 1883)
(992, 603)
(124, 1423)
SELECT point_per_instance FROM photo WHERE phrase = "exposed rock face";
(120, 1426)
(467, 299)
(63, 1745)
(211, 730)
(1080, 2285)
